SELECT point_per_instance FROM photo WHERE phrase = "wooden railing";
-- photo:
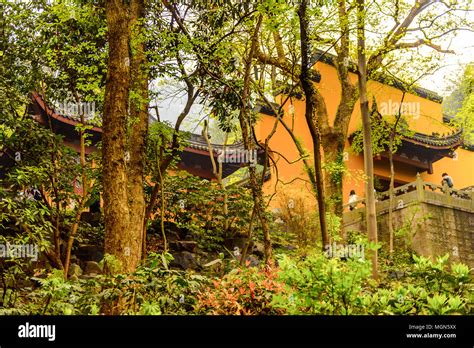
(423, 192)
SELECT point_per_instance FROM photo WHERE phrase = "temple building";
(431, 148)
(194, 158)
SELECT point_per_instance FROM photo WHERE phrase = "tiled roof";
(39, 100)
(435, 141)
(198, 142)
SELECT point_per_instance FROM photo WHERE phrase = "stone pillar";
(472, 198)
(420, 192)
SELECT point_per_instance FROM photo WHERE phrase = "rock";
(87, 252)
(258, 249)
(74, 269)
(172, 231)
(74, 278)
(92, 267)
(171, 236)
(87, 276)
(191, 236)
(184, 245)
(254, 261)
(396, 274)
(184, 260)
(24, 283)
(74, 259)
(279, 221)
(91, 218)
(212, 263)
(239, 242)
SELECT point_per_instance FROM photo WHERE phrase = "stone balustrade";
(419, 191)
(438, 219)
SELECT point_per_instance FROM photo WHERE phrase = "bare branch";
(419, 43)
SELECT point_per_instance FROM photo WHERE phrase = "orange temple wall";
(429, 119)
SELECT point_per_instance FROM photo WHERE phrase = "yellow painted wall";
(427, 120)
(461, 169)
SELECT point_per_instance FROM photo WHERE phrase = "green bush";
(318, 285)
(196, 206)
(152, 289)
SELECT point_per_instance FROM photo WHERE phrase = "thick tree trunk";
(311, 120)
(333, 138)
(371, 217)
(139, 128)
(119, 241)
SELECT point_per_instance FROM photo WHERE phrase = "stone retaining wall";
(435, 224)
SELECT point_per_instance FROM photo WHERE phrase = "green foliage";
(58, 49)
(196, 206)
(334, 223)
(459, 106)
(74, 51)
(110, 264)
(317, 285)
(381, 127)
(159, 141)
(313, 284)
(38, 160)
(88, 234)
(410, 227)
(431, 288)
(23, 222)
(336, 169)
(151, 290)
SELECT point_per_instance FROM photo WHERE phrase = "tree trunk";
(333, 138)
(371, 217)
(139, 127)
(119, 241)
(333, 147)
(245, 125)
(85, 194)
(390, 192)
(310, 114)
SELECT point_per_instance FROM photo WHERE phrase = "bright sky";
(454, 64)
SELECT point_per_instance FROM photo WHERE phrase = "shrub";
(318, 285)
(243, 291)
(196, 206)
(153, 289)
(298, 217)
